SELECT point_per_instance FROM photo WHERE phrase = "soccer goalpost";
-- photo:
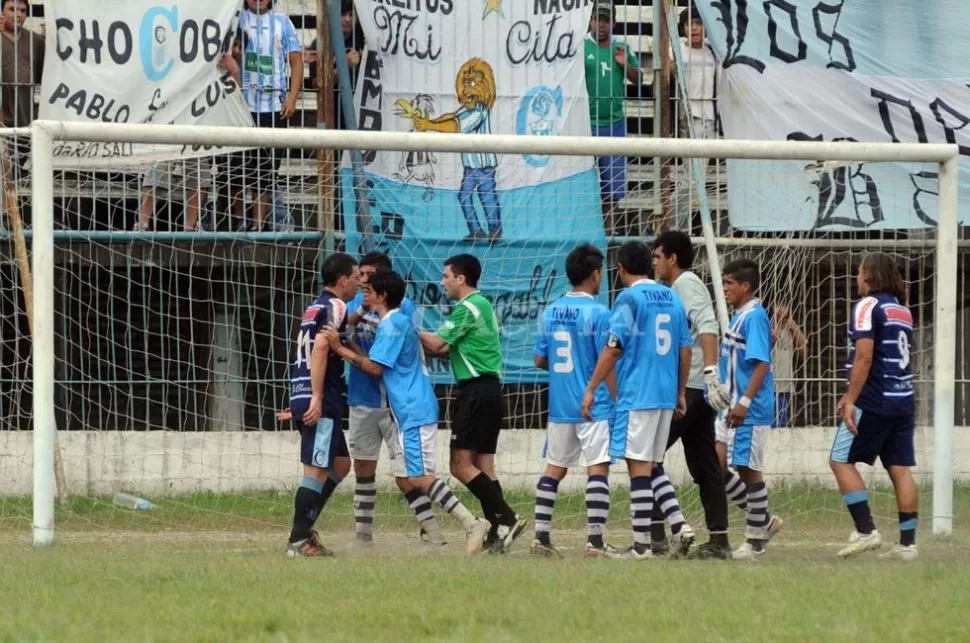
(939, 306)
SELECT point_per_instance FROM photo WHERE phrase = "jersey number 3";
(564, 351)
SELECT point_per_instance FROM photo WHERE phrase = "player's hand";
(289, 106)
(285, 415)
(313, 413)
(847, 413)
(353, 58)
(681, 409)
(620, 56)
(587, 404)
(718, 397)
(736, 416)
(332, 336)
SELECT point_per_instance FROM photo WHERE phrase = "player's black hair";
(468, 266)
(336, 266)
(389, 284)
(376, 258)
(634, 256)
(582, 262)
(881, 274)
(744, 271)
(675, 242)
(346, 6)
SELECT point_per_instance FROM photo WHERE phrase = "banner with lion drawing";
(476, 67)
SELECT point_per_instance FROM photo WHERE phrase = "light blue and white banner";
(477, 67)
(841, 70)
(139, 61)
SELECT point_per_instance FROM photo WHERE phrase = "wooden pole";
(667, 115)
(12, 206)
(326, 170)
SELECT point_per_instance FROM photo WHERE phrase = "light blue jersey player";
(877, 412)
(370, 422)
(397, 360)
(742, 431)
(649, 345)
(572, 334)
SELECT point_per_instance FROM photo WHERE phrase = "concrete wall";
(163, 463)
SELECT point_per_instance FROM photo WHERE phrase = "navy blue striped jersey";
(326, 310)
(889, 387)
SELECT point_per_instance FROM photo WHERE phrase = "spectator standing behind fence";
(353, 46)
(701, 69)
(270, 48)
(788, 338)
(21, 64)
(184, 177)
(609, 64)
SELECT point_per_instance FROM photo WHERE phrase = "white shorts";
(566, 442)
(745, 444)
(367, 429)
(417, 446)
(641, 435)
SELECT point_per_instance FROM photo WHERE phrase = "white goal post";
(44, 134)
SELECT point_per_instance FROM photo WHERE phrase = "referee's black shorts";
(477, 416)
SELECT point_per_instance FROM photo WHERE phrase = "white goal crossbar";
(45, 133)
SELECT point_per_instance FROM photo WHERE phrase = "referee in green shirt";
(470, 338)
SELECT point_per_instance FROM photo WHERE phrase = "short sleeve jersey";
(747, 343)
(650, 326)
(269, 39)
(571, 337)
(362, 389)
(472, 332)
(606, 80)
(326, 310)
(889, 324)
(405, 377)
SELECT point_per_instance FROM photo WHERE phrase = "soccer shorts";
(367, 429)
(320, 445)
(891, 438)
(746, 444)
(478, 414)
(417, 445)
(566, 442)
(641, 435)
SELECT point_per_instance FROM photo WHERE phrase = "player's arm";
(861, 365)
(433, 344)
(700, 312)
(611, 384)
(354, 354)
(319, 357)
(459, 323)
(540, 356)
(863, 336)
(798, 337)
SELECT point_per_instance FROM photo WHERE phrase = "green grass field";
(210, 568)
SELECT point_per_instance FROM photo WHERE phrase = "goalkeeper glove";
(717, 395)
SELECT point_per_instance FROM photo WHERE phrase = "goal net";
(170, 351)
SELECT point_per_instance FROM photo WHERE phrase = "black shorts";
(478, 414)
(321, 444)
(891, 438)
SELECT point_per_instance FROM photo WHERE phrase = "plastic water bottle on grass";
(132, 502)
